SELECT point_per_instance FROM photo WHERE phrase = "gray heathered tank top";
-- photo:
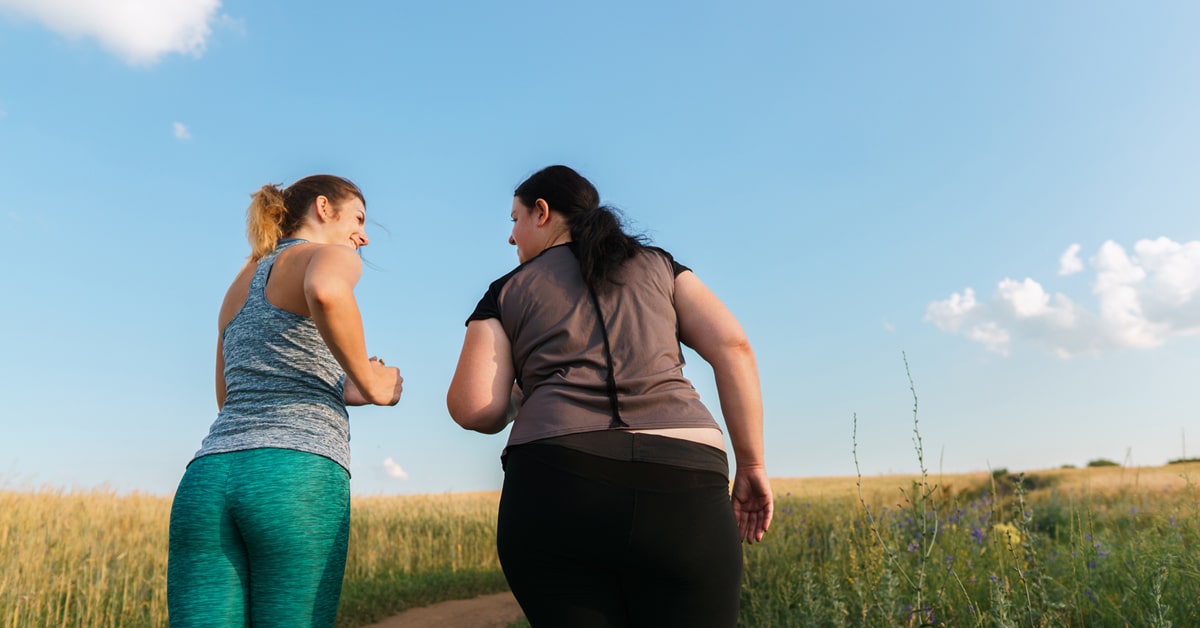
(283, 386)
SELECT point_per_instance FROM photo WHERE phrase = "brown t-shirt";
(559, 346)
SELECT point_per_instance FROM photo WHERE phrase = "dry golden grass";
(416, 533)
(1095, 480)
(83, 558)
(434, 504)
(1107, 480)
(96, 558)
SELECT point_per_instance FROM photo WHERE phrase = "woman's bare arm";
(481, 394)
(707, 326)
(329, 282)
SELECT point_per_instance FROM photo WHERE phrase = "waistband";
(636, 447)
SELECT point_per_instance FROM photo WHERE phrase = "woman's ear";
(541, 210)
(323, 209)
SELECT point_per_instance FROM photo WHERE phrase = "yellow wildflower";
(1010, 534)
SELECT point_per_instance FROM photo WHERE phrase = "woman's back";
(589, 360)
(283, 387)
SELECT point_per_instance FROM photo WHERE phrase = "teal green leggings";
(258, 537)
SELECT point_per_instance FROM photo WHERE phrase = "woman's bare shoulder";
(235, 296)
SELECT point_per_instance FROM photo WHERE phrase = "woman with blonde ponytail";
(616, 508)
(260, 521)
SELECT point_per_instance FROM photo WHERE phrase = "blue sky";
(1004, 192)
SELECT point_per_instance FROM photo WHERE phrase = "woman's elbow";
(323, 295)
(474, 417)
(737, 343)
(733, 349)
(479, 422)
(729, 343)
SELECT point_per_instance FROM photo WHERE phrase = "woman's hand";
(753, 503)
(380, 371)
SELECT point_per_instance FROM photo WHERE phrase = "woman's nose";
(512, 241)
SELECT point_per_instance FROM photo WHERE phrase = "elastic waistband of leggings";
(644, 450)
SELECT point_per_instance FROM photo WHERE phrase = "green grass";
(1045, 558)
(1103, 546)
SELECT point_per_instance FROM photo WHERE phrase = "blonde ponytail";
(264, 220)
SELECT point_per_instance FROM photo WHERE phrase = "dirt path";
(486, 611)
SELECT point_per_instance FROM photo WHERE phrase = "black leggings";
(590, 541)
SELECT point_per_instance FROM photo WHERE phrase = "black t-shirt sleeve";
(676, 267)
(489, 305)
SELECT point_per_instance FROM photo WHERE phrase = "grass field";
(94, 558)
(1063, 547)
(1067, 547)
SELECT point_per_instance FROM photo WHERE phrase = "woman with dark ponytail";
(616, 508)
(261, 519)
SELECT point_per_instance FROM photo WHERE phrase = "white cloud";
(1141, 301)
(1118, 279)
(992, 336)
(948, 315)
(139, 31)
(1069, 263)
(1173, 268)
(888, 326)
(181, 132)
(1027, 299)
(394, 470)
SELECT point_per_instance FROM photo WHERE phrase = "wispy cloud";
(1069, 262)
(181, 132)
(139, 31)
(394, 470)
(1142, 301)
(232, 24)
